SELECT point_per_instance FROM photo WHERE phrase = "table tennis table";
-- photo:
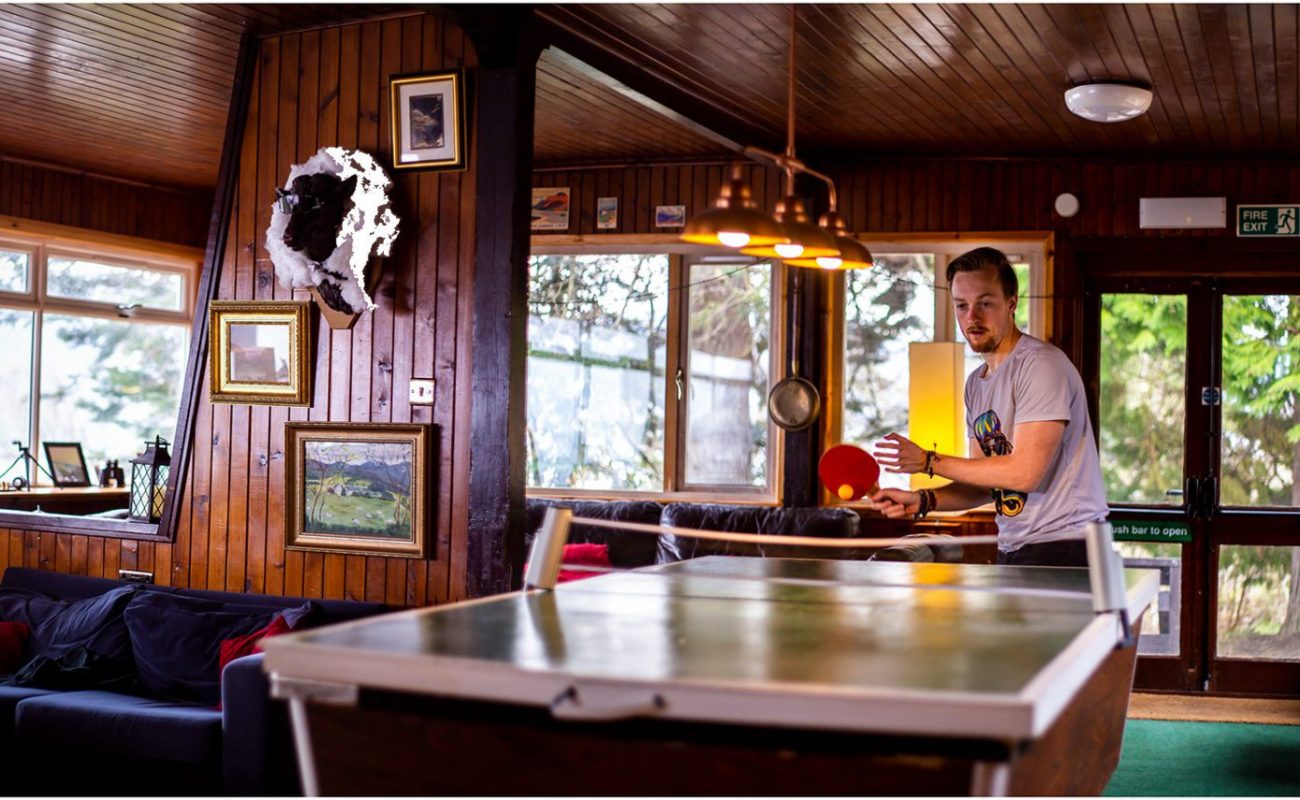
(725, 675)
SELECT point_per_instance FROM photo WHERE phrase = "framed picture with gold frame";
(357, 487)
(259, 352)
(427, 123)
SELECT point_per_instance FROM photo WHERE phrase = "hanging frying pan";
(794, 402)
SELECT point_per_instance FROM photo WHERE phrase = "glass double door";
(1196, 398)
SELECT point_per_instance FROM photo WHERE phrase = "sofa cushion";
(121, 724)
(73, 645)
(177, 642)
(10, 696)
(251, 643)
(626, 548)
(838, 523)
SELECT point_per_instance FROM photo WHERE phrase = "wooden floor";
(1213, 709)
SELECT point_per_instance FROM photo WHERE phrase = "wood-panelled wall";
(947, 195)
(313, 89)
(102, 204)
(640, 189)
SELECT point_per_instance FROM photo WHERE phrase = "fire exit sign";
(1268, 220)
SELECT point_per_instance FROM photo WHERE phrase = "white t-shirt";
(1037, 383)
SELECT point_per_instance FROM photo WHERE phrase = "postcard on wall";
(606, 213)
(670, 216)
(550, 208)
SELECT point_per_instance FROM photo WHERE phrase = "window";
(905, 300)
(648, 372)
(96, 341)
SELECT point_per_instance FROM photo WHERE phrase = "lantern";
(149, 481)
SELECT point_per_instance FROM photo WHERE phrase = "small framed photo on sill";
(67, 463)
(427, 121)
(258, 352)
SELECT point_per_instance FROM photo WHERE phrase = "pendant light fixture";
(804, 240)
(734, 220)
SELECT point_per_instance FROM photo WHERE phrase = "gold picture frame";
(427, 121)
(357, 487)
(259, 352)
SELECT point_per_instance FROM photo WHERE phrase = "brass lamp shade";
(851, 254)
(804, 240)
(734, 221)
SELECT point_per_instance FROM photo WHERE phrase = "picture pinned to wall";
(550, 210)
(428, 121)
(258, 352)
(606, 213)
(357, 487)
(670, 216)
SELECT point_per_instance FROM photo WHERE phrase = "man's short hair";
(982, 257)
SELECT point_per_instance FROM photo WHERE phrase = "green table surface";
(755, 623)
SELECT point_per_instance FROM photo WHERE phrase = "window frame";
(42, 240)
(675, 408)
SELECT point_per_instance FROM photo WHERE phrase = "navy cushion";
(122, 725)
(177, 641)
(10, 696)
(74, 645)
(627, 549)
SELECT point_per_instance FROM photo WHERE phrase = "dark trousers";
(1072, 553)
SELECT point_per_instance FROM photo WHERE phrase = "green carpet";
(1207, 759)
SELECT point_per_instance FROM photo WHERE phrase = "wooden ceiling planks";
(981, 80)
(565, 131)
(133, 91)
(139, 91)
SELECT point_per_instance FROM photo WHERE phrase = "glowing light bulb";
(829, 262)
(845, 492)
(790, 250)
(733, 238)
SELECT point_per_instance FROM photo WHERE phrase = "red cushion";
(250, 643)
(13, 636)
(586, 555)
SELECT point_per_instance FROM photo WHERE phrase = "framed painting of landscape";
(354, 487)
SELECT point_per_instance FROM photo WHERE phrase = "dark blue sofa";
(629, 549)
(94, 741)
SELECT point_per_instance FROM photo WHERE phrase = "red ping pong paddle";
(849, 472)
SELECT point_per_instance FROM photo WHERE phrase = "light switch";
(421, 392)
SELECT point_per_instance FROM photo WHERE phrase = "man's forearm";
(992, 472)
(960, 497)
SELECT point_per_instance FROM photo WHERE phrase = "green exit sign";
(1268, 220)
(1128, 530)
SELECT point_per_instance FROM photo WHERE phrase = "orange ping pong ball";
(845, 491)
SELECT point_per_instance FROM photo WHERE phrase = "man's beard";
(985, 343)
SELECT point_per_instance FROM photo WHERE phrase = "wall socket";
(421, 392)
(135, 576)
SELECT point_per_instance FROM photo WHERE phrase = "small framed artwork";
(550, 210)
(606, 213)
(428, 120)
(355, 487)
(670, 216)
(258, 352)
(67, 463)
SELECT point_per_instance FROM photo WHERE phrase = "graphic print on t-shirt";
(988, 432)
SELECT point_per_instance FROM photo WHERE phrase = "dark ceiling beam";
(635, 70)
(649, 103)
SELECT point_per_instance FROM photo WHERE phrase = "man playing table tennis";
(1031, 439)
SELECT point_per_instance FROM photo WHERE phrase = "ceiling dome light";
(1108, 102)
